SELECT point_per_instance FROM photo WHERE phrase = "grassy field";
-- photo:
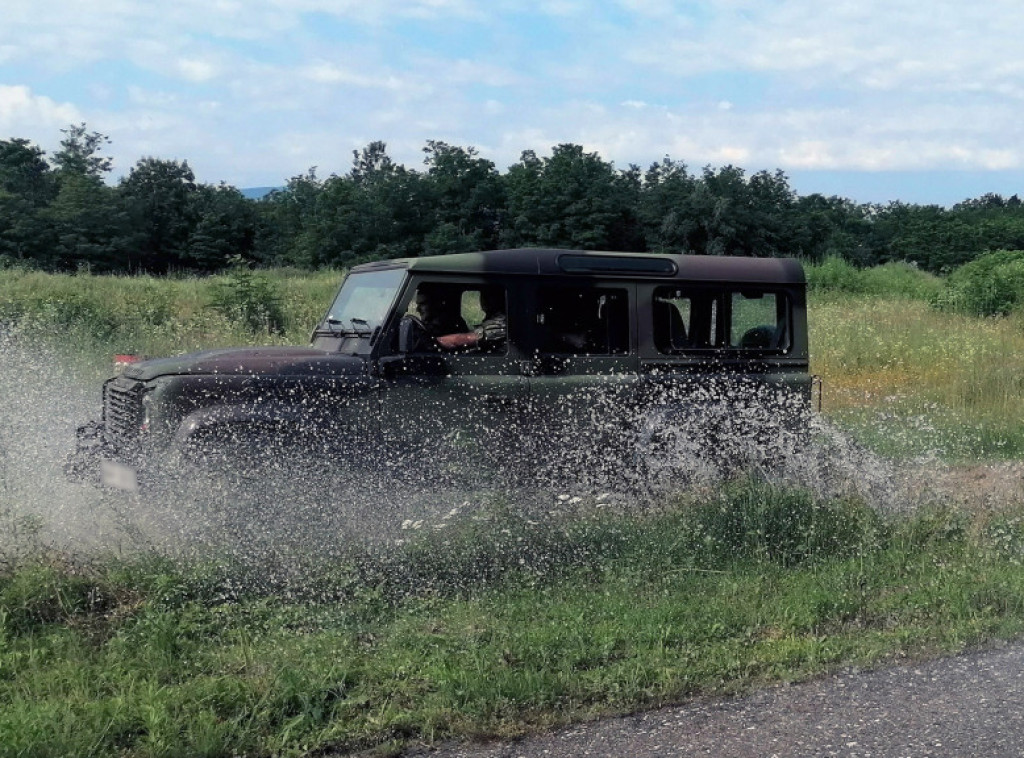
(103, 315)
(483, 635)
(498, 623)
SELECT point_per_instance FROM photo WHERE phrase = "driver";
(442, 326)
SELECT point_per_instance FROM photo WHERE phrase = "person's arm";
(491, 331)
(458, 341)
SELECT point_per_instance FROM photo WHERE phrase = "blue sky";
(902, 99)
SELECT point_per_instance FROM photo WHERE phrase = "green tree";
(665, 208)
(929, 235)
(332, 224)
(27, 186)
(225, 226)
(393, 210)
(160, 199)
(79, 153)
(86, 227)
(280, 219)
(570, 199)
(467, 198)
(372, 164)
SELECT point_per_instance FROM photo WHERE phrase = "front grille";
(122, 413)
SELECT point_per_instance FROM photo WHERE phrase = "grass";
(906, 378)
(708, 597)
(104, 315)
(912, 380)
(909, 379)
(498, 625)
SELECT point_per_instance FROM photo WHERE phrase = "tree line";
(58, 213)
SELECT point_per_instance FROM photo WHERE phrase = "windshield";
(363, 302)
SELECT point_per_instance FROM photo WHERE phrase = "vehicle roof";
(709, 268)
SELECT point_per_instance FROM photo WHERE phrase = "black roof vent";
(617, 264)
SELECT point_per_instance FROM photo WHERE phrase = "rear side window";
(583, 321)
(686, 320)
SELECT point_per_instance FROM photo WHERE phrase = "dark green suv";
(516, 358)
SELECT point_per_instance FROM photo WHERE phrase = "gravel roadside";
(968, 705)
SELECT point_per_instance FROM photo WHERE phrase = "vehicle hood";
(250, 361)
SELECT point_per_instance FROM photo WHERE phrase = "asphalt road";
(970, 705)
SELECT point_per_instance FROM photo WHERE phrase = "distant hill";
(255, 193)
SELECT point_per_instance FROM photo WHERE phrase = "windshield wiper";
(363, 323)
(332, 324)
(337, 329)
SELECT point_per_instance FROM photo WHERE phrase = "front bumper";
(93, 463)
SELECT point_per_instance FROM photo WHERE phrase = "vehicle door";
(583, 374)
(446, 395)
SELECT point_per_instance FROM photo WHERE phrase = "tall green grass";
(502, 622)
(908, 378)
(95, 317)
(913, 380)
(565, 620)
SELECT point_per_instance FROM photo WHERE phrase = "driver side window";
(457, 318)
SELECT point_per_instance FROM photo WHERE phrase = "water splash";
(41, 403)
(282, 513)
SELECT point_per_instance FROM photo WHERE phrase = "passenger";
(440, 325)
(490, 334)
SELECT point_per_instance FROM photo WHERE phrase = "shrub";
(250, 298)
(894, 279)
(991, 285)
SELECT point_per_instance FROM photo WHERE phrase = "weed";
(249, 298)
(749, 520)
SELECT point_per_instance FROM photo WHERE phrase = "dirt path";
(989, 485)
(970, 705)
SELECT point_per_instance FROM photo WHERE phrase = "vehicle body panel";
(598, 345)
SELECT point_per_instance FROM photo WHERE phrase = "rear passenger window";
(686, 320)
(756, 322)
(583, 321)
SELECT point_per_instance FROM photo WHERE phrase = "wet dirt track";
(969, 705)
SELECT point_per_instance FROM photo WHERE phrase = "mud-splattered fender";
(266, 423)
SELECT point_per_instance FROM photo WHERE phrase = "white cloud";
(327, 73)
(196, 69)
(941, 45)
(862, 84)
(24, 113)
(322, 72)
(655, 8)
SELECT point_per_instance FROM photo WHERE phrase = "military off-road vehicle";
(506, 357)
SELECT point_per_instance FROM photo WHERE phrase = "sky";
(913, 100)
